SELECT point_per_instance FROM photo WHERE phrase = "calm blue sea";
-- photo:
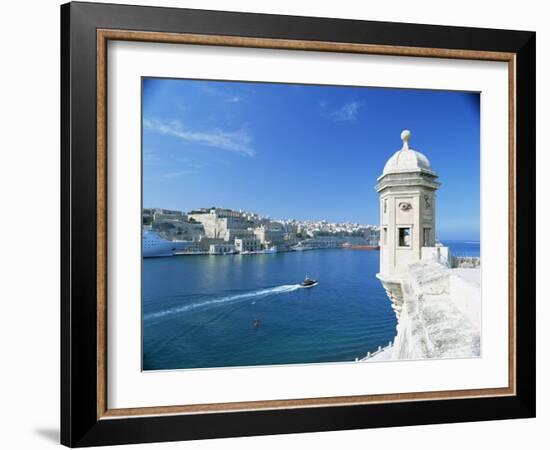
(199, 311)
(463, 248)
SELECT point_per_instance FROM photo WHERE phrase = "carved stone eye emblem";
(405, 206)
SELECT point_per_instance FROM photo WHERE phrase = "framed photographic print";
(277, 224)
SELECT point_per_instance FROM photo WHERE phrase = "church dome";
(407, 159)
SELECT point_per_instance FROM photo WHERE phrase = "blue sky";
(304, 152)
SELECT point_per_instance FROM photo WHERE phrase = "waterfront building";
(237, 233)
(407, 189)
(247, 245)
(194, 249)
(204, 243)
(220, 223)
(272, 234)
(221, 249)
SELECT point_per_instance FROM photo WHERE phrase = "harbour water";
(200, 311)
(463, 248)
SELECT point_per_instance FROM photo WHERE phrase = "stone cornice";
(421, 178)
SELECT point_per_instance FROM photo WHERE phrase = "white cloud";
(234, 141)
(345, 113)
(214, 91)
(176, 174)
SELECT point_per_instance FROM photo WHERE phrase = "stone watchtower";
(407, 211)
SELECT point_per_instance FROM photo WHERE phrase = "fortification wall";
(439, 315)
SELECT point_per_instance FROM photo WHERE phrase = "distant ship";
(155, 246)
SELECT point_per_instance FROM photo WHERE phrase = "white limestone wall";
(465, 286)
(436, 254)
(440, 315)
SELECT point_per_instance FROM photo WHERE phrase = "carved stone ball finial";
(405, 136)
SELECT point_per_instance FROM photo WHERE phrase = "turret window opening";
(404, 236)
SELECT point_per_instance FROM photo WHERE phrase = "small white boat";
(308, 282)
(268, 251)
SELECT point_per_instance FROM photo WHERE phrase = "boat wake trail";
(222, 300)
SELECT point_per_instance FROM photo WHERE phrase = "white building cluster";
(220, 231)
(318, 228)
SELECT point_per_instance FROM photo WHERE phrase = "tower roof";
(406, 159)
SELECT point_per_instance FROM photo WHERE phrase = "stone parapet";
(438, 311)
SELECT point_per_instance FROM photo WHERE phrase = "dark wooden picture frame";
(85, 417)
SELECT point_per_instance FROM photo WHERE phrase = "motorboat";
(308, 282)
